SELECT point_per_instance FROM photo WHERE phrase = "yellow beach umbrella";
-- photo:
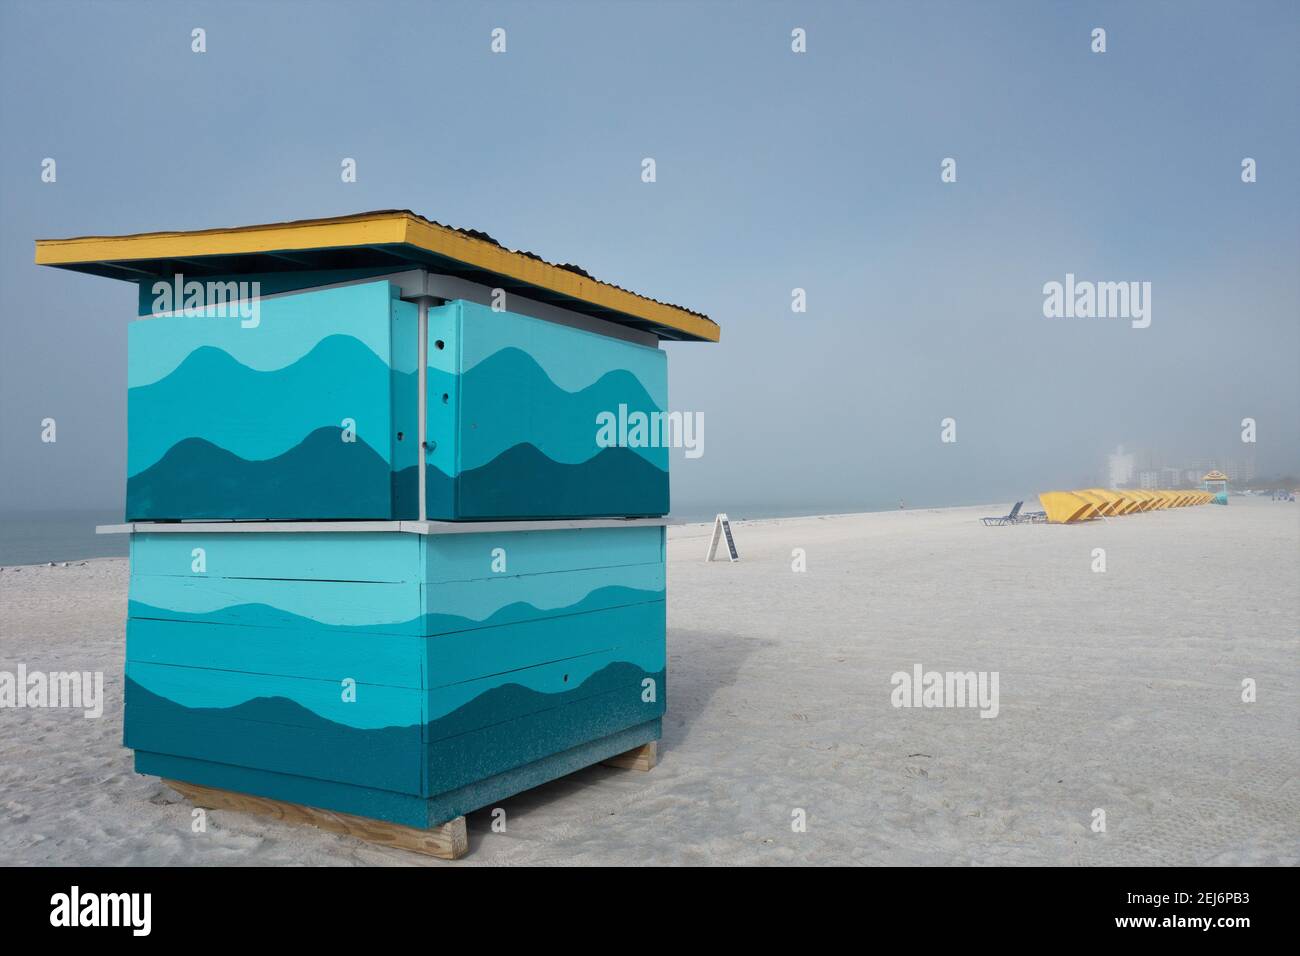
(1095, 501)
(1098, 498)
(1129, 503)
(1063, 507)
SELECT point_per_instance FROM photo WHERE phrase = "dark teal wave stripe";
(265, 615)
(323, 477)
(475, 742)
(405, 485)
(522, 482)
(515, 366)
(274, 733)
(512, 400)
(409, 809)
(503, 728)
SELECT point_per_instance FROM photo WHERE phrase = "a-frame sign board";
(721, 529)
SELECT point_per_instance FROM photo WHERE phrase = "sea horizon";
(56, 535)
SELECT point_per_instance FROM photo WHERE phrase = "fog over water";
(775, 171)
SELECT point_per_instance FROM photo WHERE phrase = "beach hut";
(395, 496)
(1215, 482)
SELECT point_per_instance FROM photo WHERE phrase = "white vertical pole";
(423, 378)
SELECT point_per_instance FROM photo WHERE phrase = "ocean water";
(37, 537)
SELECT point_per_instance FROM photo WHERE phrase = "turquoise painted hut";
(382, 561)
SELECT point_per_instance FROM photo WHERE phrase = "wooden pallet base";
(447, 842)
(638, 758)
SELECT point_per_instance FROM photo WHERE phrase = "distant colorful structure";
(1215, 482)
(1067, 507)
(382, 563)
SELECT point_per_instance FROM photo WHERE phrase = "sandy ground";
(1118, 690)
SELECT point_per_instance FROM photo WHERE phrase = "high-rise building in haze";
(1119, 468)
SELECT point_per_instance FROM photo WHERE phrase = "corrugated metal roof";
(396, 237)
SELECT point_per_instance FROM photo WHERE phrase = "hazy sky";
(775, 170)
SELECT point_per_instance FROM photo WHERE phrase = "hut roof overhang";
(395, 237)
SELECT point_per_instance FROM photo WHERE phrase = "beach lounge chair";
(1012, 517)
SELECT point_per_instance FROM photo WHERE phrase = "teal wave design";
(522, 482)
(511, 726)
(265, 615)
(513, 401)
(261, 414)
(290, 327)
(273, 733)
(405, 489)
(323, 477)
(505, 727)
(568, 355)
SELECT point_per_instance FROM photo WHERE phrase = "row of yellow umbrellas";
(1066, 506)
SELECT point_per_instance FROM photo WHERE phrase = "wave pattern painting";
(466, 705)
(321, 477)
(393, 673)
(290, 419)
(313, 415)
(501, 729)
(513, 442)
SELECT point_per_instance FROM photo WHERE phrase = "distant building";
(1240, 470)
(1171, 477)
(1148, 479)
(1119, 468)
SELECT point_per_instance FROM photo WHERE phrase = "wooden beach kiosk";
(383, 572)
(1216, 483)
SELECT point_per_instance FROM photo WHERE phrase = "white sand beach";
(1119, 690)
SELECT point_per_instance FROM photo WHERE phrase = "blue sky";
(775, 171)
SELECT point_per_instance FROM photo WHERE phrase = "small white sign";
(721, 529)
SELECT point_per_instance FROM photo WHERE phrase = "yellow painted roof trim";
(374, 229)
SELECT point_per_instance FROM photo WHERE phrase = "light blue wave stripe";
(396, 660)
(290, 327)
(466, 557)
(573, 358)
(347, 604)
(375, 706)
(342, 603)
